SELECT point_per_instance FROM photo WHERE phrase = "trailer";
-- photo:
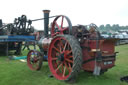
(14, 43)
(12, 35)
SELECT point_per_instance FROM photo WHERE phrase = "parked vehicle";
(123, 39)
(105, 35)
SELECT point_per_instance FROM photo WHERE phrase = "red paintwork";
(60, 27)
(104, 45)
(31, 56)
(60, 69)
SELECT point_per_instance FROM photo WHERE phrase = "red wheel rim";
(33, 60)
(60, 58)
(62, 26)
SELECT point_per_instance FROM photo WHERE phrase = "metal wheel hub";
(34, 60)
(61, 57)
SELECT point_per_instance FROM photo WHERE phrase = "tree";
(101, 28)
(116, 27)
(108, 27)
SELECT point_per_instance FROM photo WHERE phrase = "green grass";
(14, 72)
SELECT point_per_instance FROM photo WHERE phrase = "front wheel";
(34, 60)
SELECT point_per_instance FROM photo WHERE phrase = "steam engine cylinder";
(44, 43)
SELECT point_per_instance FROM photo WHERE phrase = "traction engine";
(70, 49)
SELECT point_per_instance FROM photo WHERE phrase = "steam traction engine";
(68, 49)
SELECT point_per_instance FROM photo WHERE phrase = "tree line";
(111, 28)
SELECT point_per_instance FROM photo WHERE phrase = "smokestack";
(46, 22)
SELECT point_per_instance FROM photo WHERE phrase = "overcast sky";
(79, 11)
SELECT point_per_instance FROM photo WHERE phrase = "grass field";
(14, 72)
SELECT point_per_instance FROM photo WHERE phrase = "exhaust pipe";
(46, 22)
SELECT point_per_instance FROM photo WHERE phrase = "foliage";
(111, 28)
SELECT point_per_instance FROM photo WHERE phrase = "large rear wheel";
(64, 57)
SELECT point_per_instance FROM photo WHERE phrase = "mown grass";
(14, 72)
